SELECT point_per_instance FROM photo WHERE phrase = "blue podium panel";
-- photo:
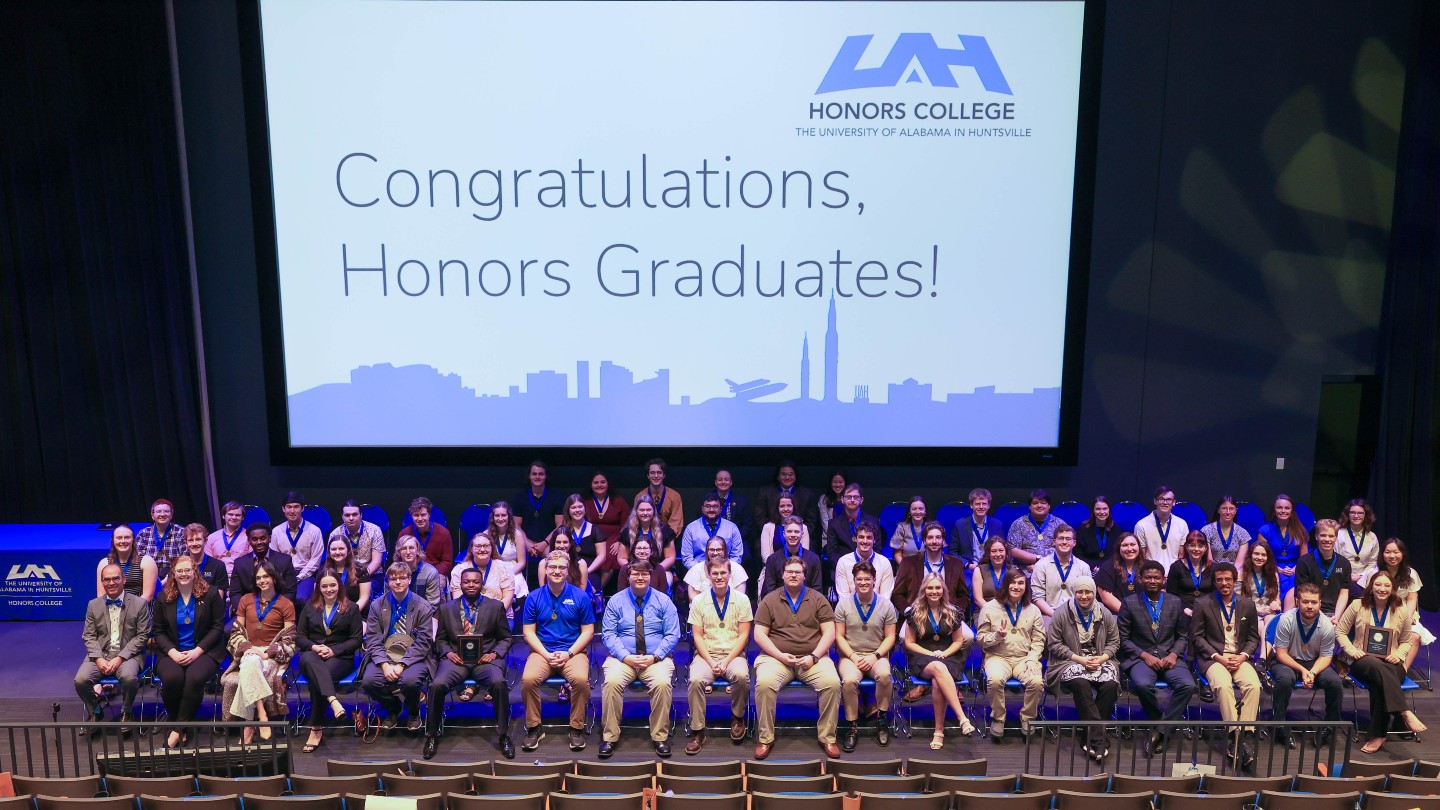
(49, 569)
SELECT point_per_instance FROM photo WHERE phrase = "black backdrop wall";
(1245, 200)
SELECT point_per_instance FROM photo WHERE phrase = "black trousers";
(1328, 681)
(490, 677)
(1093, 701)
(1382, 680)
(321, 676)
(182, 689)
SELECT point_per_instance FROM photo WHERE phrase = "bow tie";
(109, 603)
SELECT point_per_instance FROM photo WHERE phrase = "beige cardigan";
(1357, 619)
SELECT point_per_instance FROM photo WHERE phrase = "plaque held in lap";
(1377, 641)
(470, 649)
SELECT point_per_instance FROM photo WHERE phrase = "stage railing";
(65, 750)
(1055, 747)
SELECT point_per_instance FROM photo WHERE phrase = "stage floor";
(40, 668)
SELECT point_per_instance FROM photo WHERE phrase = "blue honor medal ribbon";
(1013, 617)
(1154, 609)
(1304, 633)
(1194, 575)
(934, 625)
(1227, 612)
(1225, 541)
(795, 605)
(398, 609)
(864, 614)
(720, 610)
(261, 614)
(1326, 570)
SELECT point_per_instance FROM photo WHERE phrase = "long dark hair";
(1404, 576)
(1224, 499)
(1294, 529)
(1270, 573)
(317, 599)
(1367, 599)
(350, 565)
(1140, 559)
(1089, 522)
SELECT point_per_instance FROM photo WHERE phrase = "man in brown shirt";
(795, 627)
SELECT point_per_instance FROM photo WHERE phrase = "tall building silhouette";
(832, 356)
(805, 367)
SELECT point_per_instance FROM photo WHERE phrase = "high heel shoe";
(966, 727)
(265, 733)
(337, 708)
(316, 737)
(937, 741)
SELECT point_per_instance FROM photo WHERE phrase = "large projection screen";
(688, 224)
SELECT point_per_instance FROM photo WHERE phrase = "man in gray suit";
(117, 629)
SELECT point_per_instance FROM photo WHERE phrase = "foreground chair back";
(1002, 801)
(790, 784)
(1329, 785)
(611, 801)
(733, 767)
(577, 784)
(362, 784)
(153, 786)
(784, 767)
(587, 767)
(253, 785)
(1240, 784)
(434, 801)
(1415, 785)
(1126, 783)
(947, 767)
(328, 802)
(686, 785)
(79, 787)
(506, 767)
(397, 785)
(1071, 800)
(719, 801)
(1277, 800)
(879, 767)
(1360, 767)
(189, 802)
(881, 785)
(1213, 801)
(533, 801)
(905, 801)
(1000, 783)
(796, 801)
(423, 767)
(374, 767)
(1396, 801)
(24, 802)
(544, 784)
(89, 803)
(1033, 783)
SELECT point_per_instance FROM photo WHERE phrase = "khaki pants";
(577, 674)
(997, 671)
(850, 676)
(702, 676)
(771, 675)
(659, 678)
(1224, 683)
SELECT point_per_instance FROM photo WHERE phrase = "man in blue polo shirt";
(640, 629)
(559, 623)
(708, 525)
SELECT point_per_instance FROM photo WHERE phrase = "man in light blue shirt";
(708, 525)
(640, 629)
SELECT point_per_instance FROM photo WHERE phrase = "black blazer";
(242, 577)
(1136, 636)
(490, 622)
(1087, 543)
(209, 624)
(345, 632)
(839, 541)
(1207, 627)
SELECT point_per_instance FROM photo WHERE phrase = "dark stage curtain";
(1406, 486)
(100, 412)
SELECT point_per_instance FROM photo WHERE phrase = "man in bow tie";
(117, 630)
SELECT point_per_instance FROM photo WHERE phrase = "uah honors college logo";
(32, 572)
(909, 49)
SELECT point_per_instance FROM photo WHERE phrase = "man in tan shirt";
(795, 627)
(1011, 631)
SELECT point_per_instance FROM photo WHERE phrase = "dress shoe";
(432, 745)
(1284, 738)
(851, 737)
(1324, 737)
(831, 750)
(882, 731)
(607, 749)
(737, 729)
(697, 741)
(662, 748)
(126, 721)
(762, 750)
(507, 748)
(1206, 693)
(1154, 745)
(533, 736)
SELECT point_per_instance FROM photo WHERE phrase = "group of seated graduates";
(1076, 608)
